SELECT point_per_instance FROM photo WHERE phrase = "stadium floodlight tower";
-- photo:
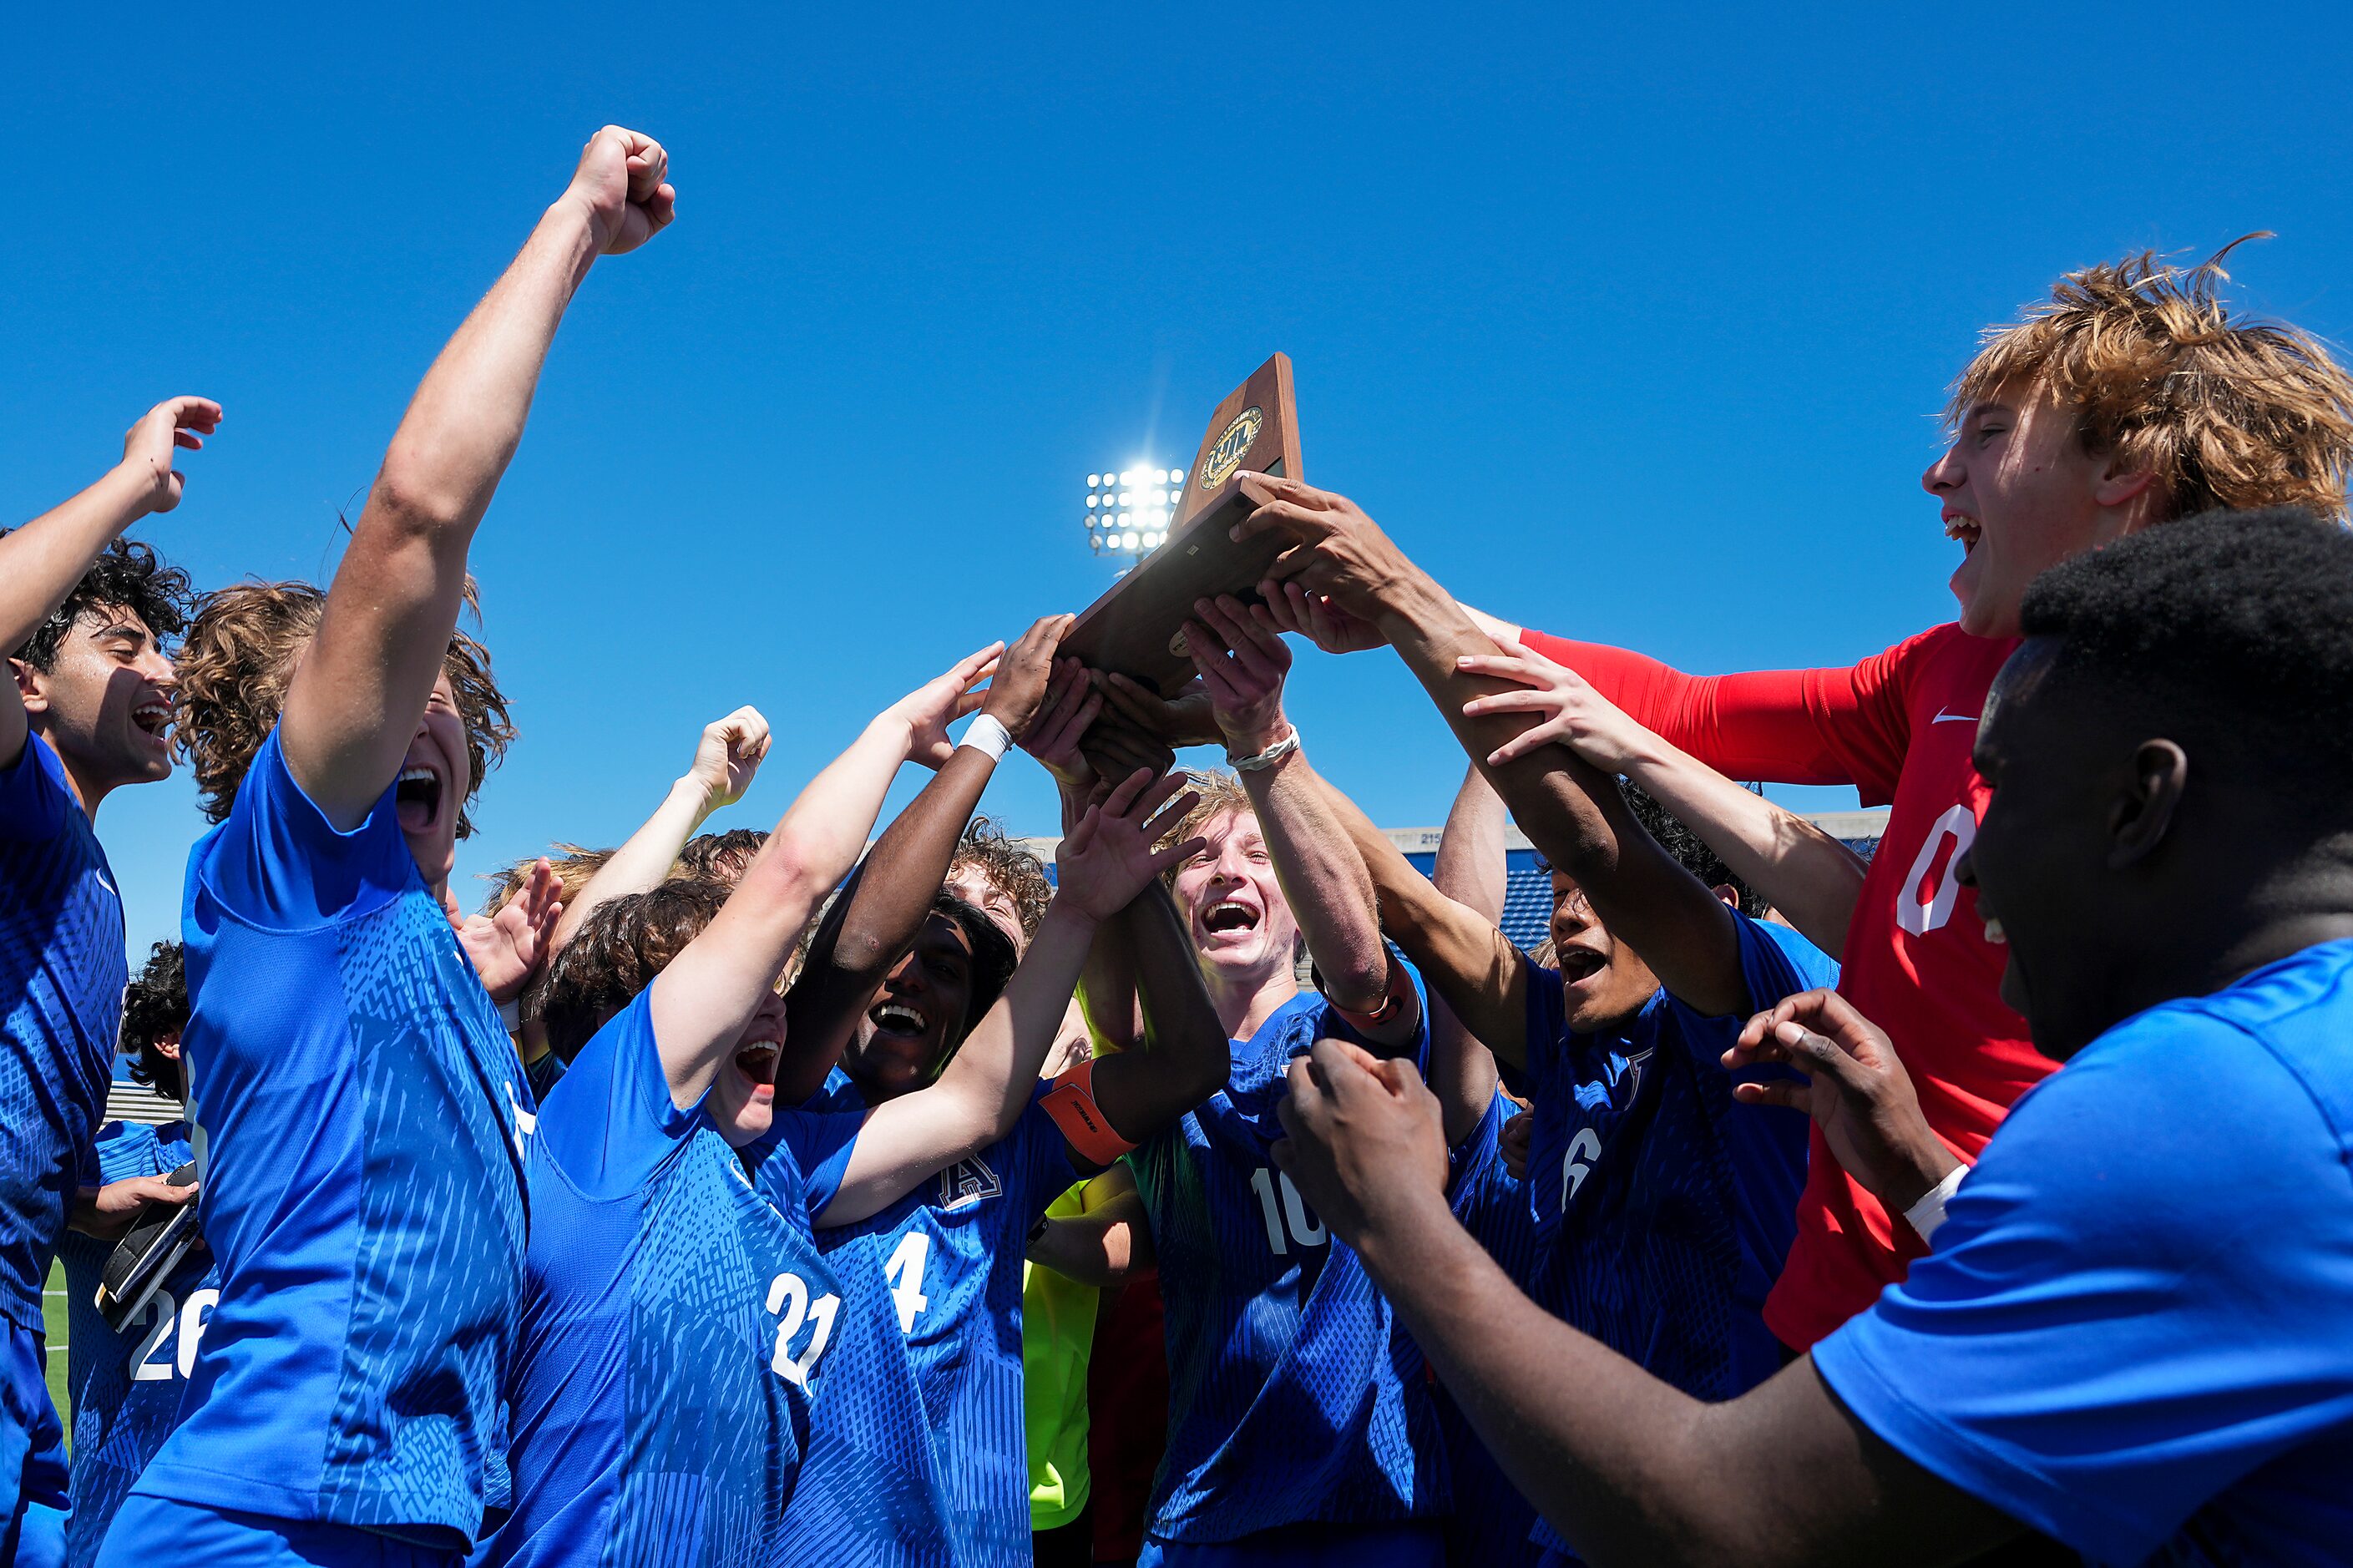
(1128, 509)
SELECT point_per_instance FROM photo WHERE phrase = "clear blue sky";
(1632, 326)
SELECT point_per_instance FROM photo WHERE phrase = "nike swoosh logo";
(1944, 718)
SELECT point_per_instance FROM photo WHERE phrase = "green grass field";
(53, 1310)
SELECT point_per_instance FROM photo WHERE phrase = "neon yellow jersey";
(1057, 1329)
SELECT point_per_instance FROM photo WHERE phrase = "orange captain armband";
(1071, 1103)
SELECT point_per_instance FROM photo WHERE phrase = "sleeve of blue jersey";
(806, 1154)
(34, 799)
(280, 864)
(128, 1149)
(610, 1121)
(1547, 1013)
(1470, 1163)
(2137, 1299)
(1046, 1161)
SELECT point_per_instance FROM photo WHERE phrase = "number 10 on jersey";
(1289, 1221)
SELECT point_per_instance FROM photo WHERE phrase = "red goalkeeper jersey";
(1899, 726)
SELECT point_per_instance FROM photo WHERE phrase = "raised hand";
(1336, 549)
(623, 181)
(147, 447)
(1184, 719)
(1024, 674)
(1574, 714)
(728, 757)
(1108, 858)
(1071, 705)
(931, 707)
(1363, 1139)
(1855, 1089)
(1292, 608)
(1514, 1141)
(1242, 660)
(506, 949)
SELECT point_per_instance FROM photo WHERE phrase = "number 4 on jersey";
(904, 1274)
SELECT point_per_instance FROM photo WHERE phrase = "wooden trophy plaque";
(1134, 628)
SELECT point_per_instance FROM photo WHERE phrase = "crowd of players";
(678, 1207)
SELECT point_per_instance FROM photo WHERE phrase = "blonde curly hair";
(2237, 414)
(237, 660)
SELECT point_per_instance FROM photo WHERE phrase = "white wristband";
(1267, 758)
(986, 734)
(1926, 1215)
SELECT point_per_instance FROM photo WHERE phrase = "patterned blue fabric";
(678, 1320)
(1294, 1397)
(1490, 1522)
(364, 1117)
(2136, 1329)
(918, 1452)
(62, 972)
(1662, 1206)
(126, 1388)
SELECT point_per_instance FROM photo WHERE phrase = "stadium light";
(1128, 510)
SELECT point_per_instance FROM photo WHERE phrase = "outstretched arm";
(1466, 960)
(1627, 1469)
(360, 690)
(1569, 809)
(726, 760)
(708, 993)
(1242, 661)
(1809, 877)
(1184, 1057)
(1472, 871)
(1100, 866)
(883, 910)
(42, 562)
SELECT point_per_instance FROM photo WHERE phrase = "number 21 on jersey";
(788, 1298)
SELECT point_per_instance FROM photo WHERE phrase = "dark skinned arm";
(1627, 1469)
(883, 908)
(1183, 1059)
(1107, 985)
(1569, 810)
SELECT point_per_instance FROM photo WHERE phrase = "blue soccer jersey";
(364, 1117)
(2133, 1332)
(62, 972)
(1662, 1206)
(1294, 1397)
(1490, 1521)
(126, 1385)
(678, 1320)
(918, 1449)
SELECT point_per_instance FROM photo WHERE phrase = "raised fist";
(623, 181)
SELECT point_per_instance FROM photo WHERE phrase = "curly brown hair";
(1006, 866)
(127, 576)
(617, 952)
(2227, 413)
(239, 657)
